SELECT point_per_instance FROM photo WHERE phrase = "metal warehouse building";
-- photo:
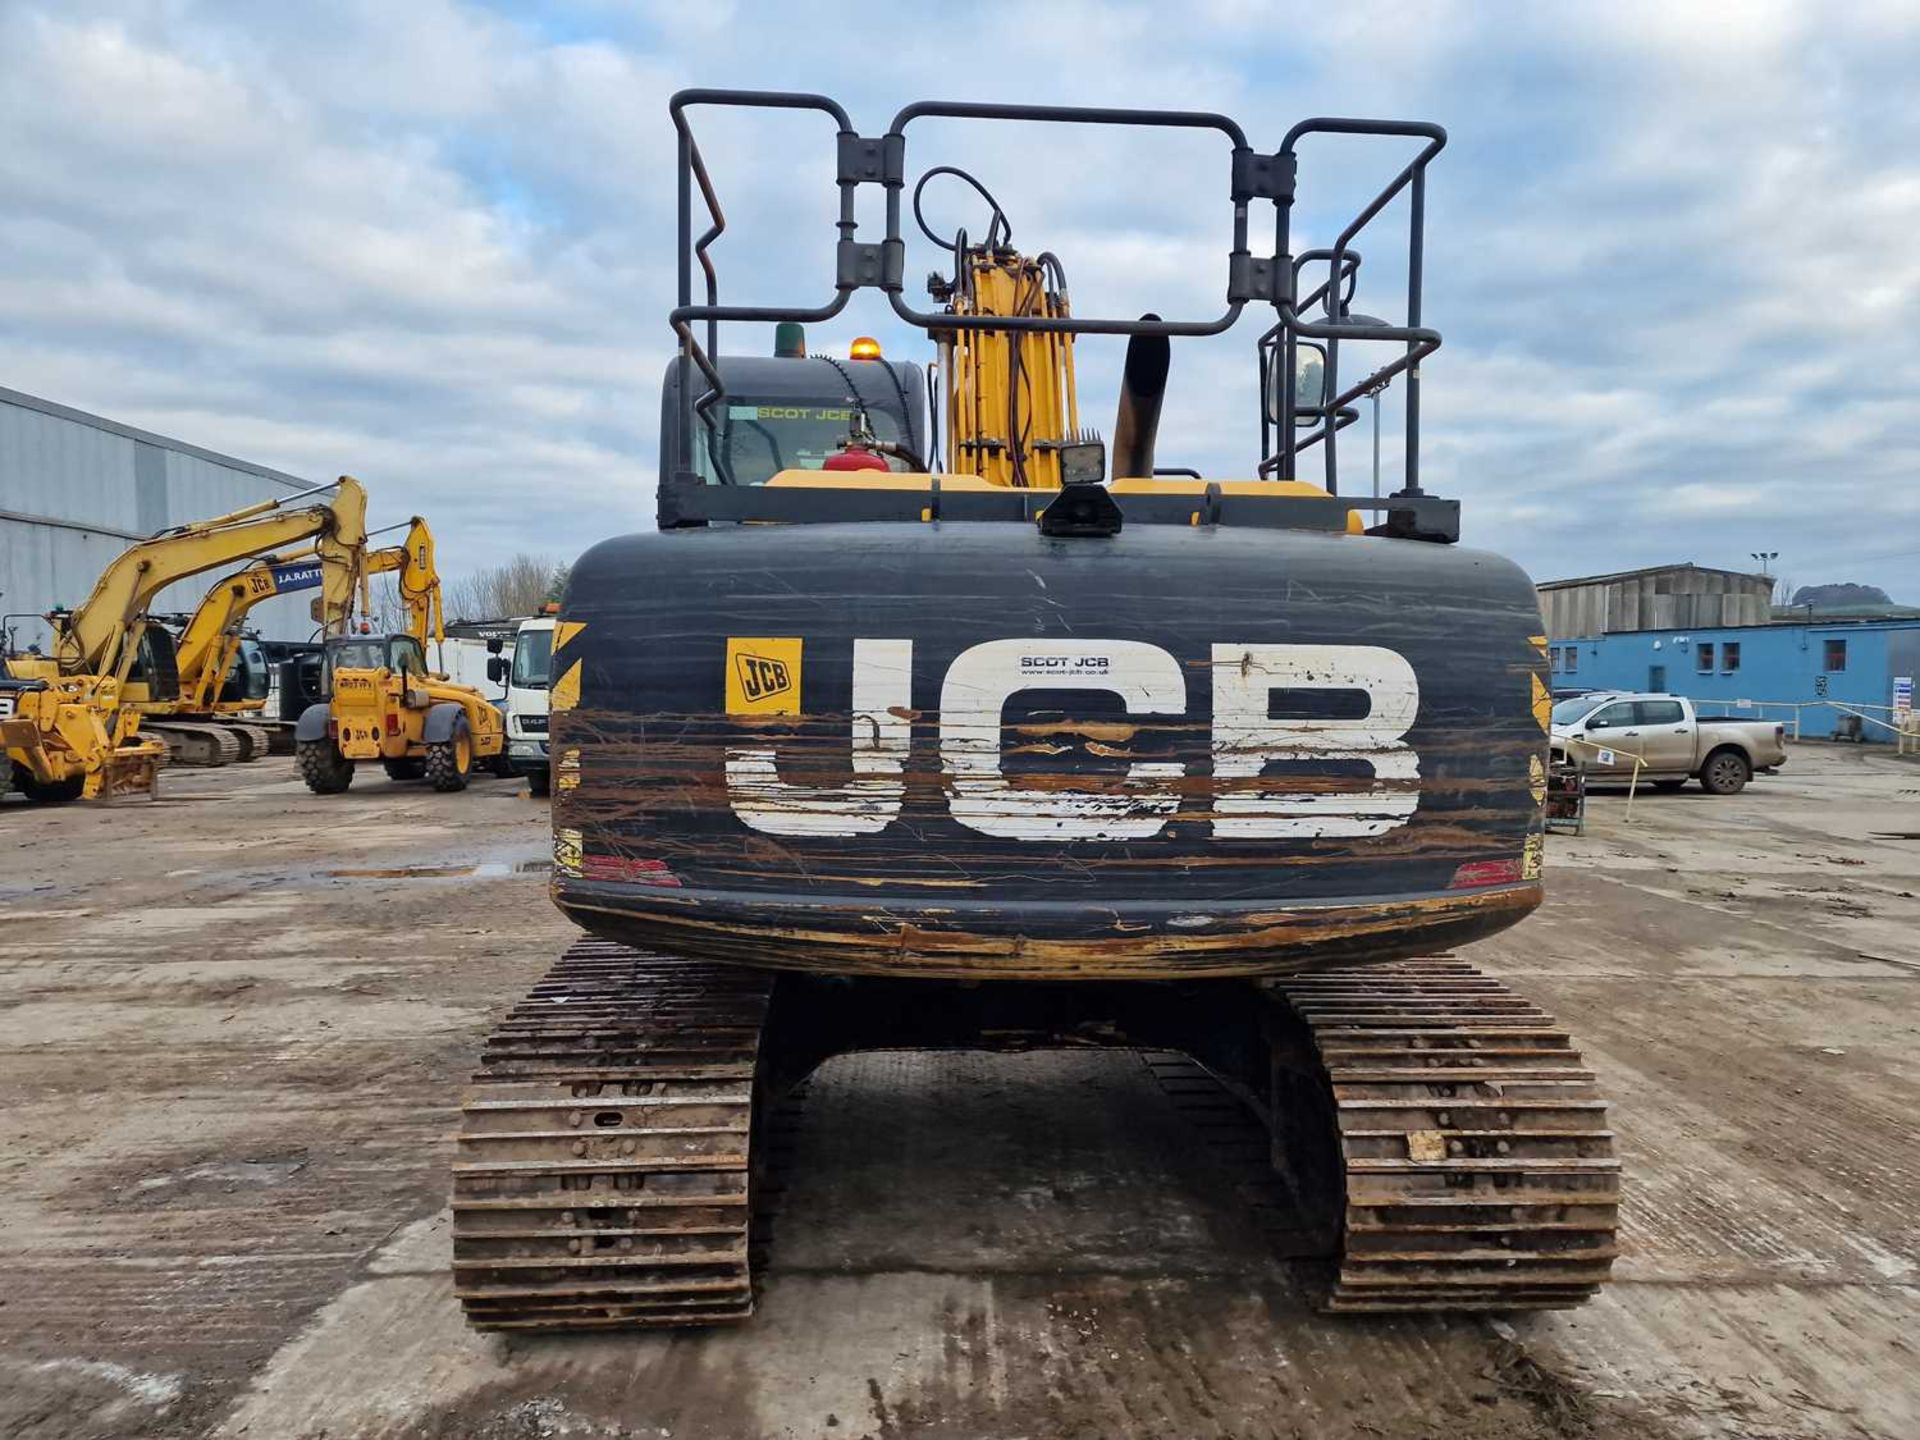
(1711, 635)
(75, 488)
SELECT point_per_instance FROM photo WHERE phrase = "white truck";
(526, 702)
(1606, 733)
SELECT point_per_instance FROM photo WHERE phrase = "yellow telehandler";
(384, 704)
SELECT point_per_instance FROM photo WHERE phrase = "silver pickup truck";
(1606, 732)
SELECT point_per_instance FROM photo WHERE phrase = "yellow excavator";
(384, 704)
(66, 738)
(74, 729)
(204, 721)
(1046, 748)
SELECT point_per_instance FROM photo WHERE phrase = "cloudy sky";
(1674, 248)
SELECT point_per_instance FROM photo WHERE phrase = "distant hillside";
(1841, 595)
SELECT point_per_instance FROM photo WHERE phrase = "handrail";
(1421, 341)
(1271, 279)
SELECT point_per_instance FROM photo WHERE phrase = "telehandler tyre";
(323, 767)
(450, 762)
(52, 792)
(407, 767)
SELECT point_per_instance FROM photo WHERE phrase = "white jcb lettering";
(1246, 740)
(882, 733)
(978, 685)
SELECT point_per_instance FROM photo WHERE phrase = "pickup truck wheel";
(323, 767)
(1668, 784)
(450, 763)
(1725, 773)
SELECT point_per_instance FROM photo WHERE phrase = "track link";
(603, 1174)
(194, 744)
(1479, 1170)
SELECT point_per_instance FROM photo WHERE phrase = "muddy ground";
(232, 1042)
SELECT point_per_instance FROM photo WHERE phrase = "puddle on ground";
(485, 870)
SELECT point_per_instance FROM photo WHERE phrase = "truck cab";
(526, 705)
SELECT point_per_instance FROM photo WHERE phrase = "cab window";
(1660, 712)
(408, 657)
(1612, 717)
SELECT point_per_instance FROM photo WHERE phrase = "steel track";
(1479, 1170)
(198, 743)
(602, 1179)
(604, 1174)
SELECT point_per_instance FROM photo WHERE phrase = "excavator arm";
(211, 636)
(102, 636)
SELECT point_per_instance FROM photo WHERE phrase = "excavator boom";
(102, 636)
(211, 636)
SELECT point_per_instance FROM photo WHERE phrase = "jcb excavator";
(203, 724)
(110, 656)
(385, 704)
(1035, 751)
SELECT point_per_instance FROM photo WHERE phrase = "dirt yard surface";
(235, 1022)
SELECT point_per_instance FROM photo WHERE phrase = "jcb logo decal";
(1246, 739)
(763, 675)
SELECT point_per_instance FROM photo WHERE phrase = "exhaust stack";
(1143, 386)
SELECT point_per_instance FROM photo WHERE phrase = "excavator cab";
(249, 678)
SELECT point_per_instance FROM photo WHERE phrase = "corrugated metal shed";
(1660, 597)
(76, 488)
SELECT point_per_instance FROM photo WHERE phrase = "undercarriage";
(1438, 1135)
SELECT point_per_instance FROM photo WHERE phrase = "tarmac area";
(235, 1023)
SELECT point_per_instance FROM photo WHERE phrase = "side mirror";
(1309, 383)
(496, 668)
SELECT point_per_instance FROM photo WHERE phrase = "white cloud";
(1670, 245)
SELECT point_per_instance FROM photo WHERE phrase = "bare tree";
(519, 587)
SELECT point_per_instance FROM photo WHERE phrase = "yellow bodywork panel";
(378, 715)
(923, 484)
(76, 733)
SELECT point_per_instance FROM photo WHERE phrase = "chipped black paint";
(928, 894)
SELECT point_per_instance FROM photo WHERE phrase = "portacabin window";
(1836, 657)
(1703, 658)
(1573, 659)
(1730, 657)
